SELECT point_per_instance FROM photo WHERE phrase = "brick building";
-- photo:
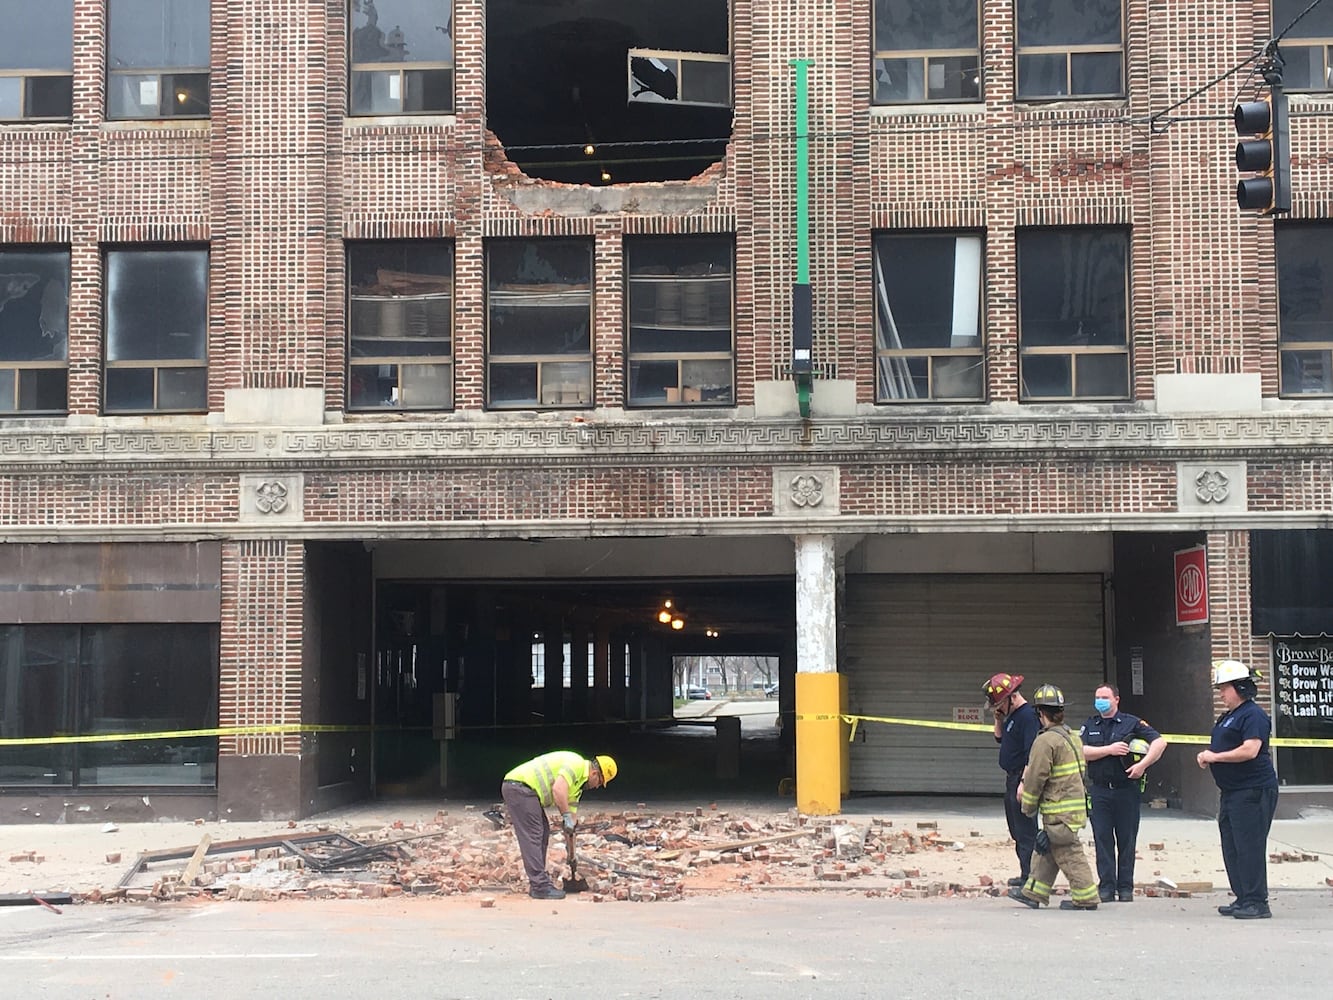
(356, 356)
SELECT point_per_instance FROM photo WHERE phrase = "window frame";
(1290, 350)
(699, 361)
(175, 84)
(154, 365)
(399, 71)
(24, 373)
(1070, 52)
(432, 336)
(1076, 352)
(880, 54)
(1319, 40)
(28, 73)
(554, 295)
(898, 357)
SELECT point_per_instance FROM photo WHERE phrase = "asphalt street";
(775, 945)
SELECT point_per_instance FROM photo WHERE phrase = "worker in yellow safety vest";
(1054, 785)
(554, 779)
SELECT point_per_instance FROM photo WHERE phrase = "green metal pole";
(802, 67)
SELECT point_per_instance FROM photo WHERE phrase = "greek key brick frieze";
(565, 442)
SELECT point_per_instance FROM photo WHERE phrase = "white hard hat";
(1227, 671)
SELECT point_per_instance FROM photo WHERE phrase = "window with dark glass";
(1073, 294)
(157, 58)
(679, 294)
(156, 330)
(928, 317)
(539, 323)
(108, 680)
(926, 50)
(400, 325)
(1070, 48)
(36, 60)
(34, 323)
(402, 57)
(1305, 308)
(1308, 47)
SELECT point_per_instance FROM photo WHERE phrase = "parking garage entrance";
(469, 678)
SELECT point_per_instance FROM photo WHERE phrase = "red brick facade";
(280, 177)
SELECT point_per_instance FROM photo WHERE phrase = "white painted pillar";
(821, 752)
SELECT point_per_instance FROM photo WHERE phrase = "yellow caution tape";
(855, 720)
(297, 728)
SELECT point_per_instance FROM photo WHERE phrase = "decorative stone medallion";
(1212, 487)
(272, 498)
(805, 491)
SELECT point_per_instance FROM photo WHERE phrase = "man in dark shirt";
(1016, 726)
(1110, 739)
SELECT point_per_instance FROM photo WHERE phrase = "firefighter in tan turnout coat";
(1053, 785)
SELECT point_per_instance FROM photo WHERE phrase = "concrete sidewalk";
(1184, 848)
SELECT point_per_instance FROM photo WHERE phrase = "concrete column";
(820, 689)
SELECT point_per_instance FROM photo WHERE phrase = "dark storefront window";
(1291, 595)
(106, 680)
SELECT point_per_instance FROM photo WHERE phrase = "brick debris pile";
(633, 855)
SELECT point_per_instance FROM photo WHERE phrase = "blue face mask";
(1102, 704)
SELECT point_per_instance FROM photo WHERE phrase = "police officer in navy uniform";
(1119, 749)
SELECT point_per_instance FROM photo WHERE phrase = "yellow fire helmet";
(607, 766)
(1138, 747)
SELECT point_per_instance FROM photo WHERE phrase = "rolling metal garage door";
(918, 647)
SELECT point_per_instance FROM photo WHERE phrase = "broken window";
(34, 322)
(679, 78)
(539, 331)
(1070, 48)
(400, 326)
(609, 91)
(928, 317)
(679, 296)
(156, 330)
(36, 60)
(1308, 48)
(402, 57)
(157, 58)
(926, 50)
(1073, 294)
(1305, 308)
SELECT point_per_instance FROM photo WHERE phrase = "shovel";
(573, 883)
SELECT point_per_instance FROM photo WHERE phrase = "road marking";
(204, 957)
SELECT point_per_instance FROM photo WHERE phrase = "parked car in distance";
(771, 690)
(697, 693)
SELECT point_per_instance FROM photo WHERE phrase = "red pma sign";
(1192, 586)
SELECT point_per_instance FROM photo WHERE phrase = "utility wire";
(1268, 51)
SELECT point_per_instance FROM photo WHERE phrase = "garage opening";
(609, 91)
(468, 679)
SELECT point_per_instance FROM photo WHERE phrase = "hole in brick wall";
(609, 91)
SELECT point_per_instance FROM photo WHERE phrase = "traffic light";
(1266, 156)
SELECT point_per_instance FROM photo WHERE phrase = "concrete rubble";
(625, 856)
(626, 852)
